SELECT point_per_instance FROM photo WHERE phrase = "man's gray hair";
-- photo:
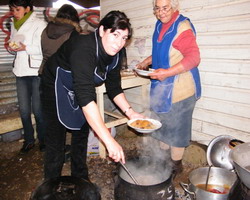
(174, 4)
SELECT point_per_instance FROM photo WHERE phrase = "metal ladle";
(129, 173)
(208, 177)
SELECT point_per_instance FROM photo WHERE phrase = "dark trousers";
(55, 136)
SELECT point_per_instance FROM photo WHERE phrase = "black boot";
(26, 147)
(177, 167)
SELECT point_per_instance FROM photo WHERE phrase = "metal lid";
(218, 152)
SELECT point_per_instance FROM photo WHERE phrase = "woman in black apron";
(69, 97)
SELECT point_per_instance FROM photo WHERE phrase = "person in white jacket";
(25, 40)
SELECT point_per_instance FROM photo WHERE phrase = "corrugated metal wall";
(89, 19)
(223, 35)
(87, 23)
(5, 57)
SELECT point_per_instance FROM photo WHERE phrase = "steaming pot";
(154, 182)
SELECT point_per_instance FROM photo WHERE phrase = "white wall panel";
(227, 94)
(231, 81)
(221, 119)
(237, 52)
(222, 106)
(219, 10)
(241, 67)
(234, 38)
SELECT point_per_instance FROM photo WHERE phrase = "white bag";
(93, 141)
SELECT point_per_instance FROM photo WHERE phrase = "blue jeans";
(28, 95)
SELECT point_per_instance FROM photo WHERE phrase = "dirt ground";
(21, 174)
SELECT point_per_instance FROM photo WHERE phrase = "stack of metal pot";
(240, 156)
(217, 181)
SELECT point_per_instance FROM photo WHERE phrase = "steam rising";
(160, 94)
(153, 166)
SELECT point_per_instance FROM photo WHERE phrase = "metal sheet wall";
(89, 19)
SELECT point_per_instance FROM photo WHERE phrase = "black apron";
(69, 113)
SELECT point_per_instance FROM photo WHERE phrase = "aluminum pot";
(241, 159)
(220, 183)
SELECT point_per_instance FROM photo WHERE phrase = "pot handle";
(185, 188)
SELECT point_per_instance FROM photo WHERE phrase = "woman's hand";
(159, 74)
(20, 47)
(92, 115)
(115, 151)
(134, 115)
(142, 66)
(145, 63)
(131, 114)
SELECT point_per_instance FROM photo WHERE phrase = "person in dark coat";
(59, 29)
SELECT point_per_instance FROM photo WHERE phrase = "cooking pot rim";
(240, 167)
(239, 149)
(212, 167)
(245, 169)
(232, 173)
(169, 178)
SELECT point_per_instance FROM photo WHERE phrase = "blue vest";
(161, 91)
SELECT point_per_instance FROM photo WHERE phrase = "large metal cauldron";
(154, 178)
(66, 188)
(241, 159)
(221, 183)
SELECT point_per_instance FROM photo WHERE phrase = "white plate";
(144, 72)
(156, 123)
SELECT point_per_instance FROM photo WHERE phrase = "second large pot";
(240, 156)
(220, 180)
(155, 182)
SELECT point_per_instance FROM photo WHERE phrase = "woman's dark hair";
(23, 3)
(116, 20)
(68, 12)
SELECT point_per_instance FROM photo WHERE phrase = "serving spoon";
(208, 177)
(129, 173)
